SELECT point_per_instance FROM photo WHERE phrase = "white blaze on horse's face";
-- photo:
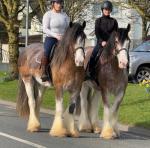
(79, 53)
(122, 54)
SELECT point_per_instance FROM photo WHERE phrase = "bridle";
(125, 49)
(80, 47)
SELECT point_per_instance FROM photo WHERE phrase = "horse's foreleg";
(93, 112)
(58, 129)
(107, 130)
(69, 116)
(33, 122)
(84, 122)
(114, 111)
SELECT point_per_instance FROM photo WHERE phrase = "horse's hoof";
(97, 130)
(108, 134)
(34, 129)
(85, 128)
(74, 134)
(58, 133)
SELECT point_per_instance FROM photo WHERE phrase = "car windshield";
(145, 46)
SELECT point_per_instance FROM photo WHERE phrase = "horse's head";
(79, 42)
(122, 43)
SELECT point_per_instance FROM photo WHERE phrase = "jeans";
(48, 44)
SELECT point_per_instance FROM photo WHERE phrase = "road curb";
(126, 128)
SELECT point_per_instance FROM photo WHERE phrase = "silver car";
(139, 66)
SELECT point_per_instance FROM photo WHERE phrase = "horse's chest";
(73, 81)
(112, 78)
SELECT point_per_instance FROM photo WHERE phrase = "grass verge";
(134, 110)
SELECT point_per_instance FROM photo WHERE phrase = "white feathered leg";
(93, 112)
(84, 122)
(58, 129)
(69, 116)
(33, 122)
(114, 112)
(39, 98)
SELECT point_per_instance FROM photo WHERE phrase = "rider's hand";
(58, 37)
(104, 43)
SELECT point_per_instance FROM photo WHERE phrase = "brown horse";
(67, 68)
(112, 76)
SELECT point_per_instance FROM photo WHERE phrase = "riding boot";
(44, 66)
(91, 75)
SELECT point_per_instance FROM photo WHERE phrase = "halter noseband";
(127, 50)
(118, 51)
(80, 47)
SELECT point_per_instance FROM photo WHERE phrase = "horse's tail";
(22, 100)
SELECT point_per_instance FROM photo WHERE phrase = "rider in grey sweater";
(55, 23)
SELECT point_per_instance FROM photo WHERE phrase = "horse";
(112, 76)
(67, 70)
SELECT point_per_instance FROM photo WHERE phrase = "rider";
(55, 22)
(104, 26)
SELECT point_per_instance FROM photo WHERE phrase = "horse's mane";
(66, 45)
(107, 51)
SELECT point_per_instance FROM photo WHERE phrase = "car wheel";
(143, 74)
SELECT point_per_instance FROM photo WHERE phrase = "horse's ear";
(128, 27)
(84, 24)
(70, 24)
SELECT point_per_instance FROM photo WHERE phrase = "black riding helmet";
(59, 1)
(107, 5)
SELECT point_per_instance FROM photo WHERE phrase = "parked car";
(139, 65)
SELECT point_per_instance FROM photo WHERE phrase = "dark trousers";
(94, 59)
(48, 44)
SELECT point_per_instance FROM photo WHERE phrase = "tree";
(9, 10)
(143, 8)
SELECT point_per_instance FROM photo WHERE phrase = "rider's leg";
(92, 63)
(48, 44)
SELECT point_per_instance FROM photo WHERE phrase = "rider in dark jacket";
(104, 26)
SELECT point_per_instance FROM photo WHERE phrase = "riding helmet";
(107, 5)
(59, 1)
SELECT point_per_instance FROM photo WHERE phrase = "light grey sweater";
(55, 23)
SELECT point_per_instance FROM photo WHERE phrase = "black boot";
(44, 66)
(91, 71)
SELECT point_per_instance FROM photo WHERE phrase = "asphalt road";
(13, 134)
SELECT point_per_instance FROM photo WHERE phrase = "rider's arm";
(46, 25)
(67, 19)
(115, 25)
(98, 31)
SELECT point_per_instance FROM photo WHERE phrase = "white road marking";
(22, 140)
